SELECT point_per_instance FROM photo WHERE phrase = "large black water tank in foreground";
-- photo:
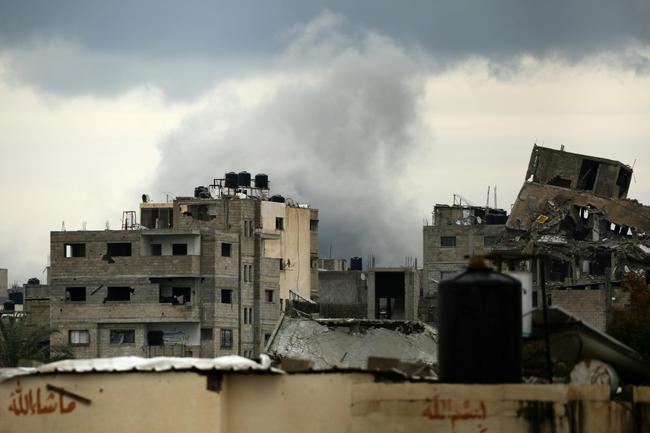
(244, 179)
(231, 180)
(479, 330)
(261, 181)
(356, 264)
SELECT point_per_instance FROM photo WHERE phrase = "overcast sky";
(371, 111)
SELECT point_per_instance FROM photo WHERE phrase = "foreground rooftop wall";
(334, 402)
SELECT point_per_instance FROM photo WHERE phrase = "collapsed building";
(573, 227)
(204, 275)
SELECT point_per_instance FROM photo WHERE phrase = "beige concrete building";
(200, 276)
(4, 281)
(457, 232)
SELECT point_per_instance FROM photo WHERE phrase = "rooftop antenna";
(495, 197)
(83, 226)
(330, 248)
(62, 226)
(487, 202)
(561, 147)
(108, 225)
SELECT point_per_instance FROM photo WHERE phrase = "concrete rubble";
(348, 343)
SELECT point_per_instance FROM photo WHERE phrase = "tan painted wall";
(337, 402)
(293, 245)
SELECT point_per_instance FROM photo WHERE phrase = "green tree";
(21, 344)
(631, 324)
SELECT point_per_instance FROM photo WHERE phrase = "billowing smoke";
(334, 122)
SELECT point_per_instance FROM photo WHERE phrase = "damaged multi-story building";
(204, 275)
(456, 233)
(574, 228)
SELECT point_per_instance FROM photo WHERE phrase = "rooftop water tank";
(244, 179)
(261, 181)
(231, 180)
(277, 199)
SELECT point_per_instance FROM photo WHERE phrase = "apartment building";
(204, 275)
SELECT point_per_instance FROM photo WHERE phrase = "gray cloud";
(182, 46)
(338, 133)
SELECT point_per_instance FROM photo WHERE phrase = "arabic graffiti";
(38, 402)
(447, 409)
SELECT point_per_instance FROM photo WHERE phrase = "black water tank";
(244, 179)
(356, 264)
(277, 199)
(231, 180)
(17, 297)
(479, 332)
(202, 192)
(9, 306)
(33, 280)
(261, 181)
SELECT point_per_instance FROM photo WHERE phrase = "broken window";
(179, 249)
(117, 249)
(279, 223)
(268, 295)
(447, 241)
(245, 316)
(79, 337)
(313, 225)
(587, 176)
(226, 296)
(75, 250)
(206, 334)
(225, 249)
(75, 294)
(122, 336)
(175, 295)
(623, 181)
(156, 250)
(226, 338)
(118, 294)
(560, 181)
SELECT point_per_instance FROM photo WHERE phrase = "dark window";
(313, 225)
(156, 250)
(155, 338)
(268, 295)
(206, 334)
(75, 294)
(279, 223)
(225, 249)
(226, 296)
(226, 338)
(118, 294)
(245, 316)
(79, 337)
(179, 249)
(175, 295)
(490, 241)
(588, 173)
(447, 241)
(116, 249)
(75, 250)
(122, 336)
